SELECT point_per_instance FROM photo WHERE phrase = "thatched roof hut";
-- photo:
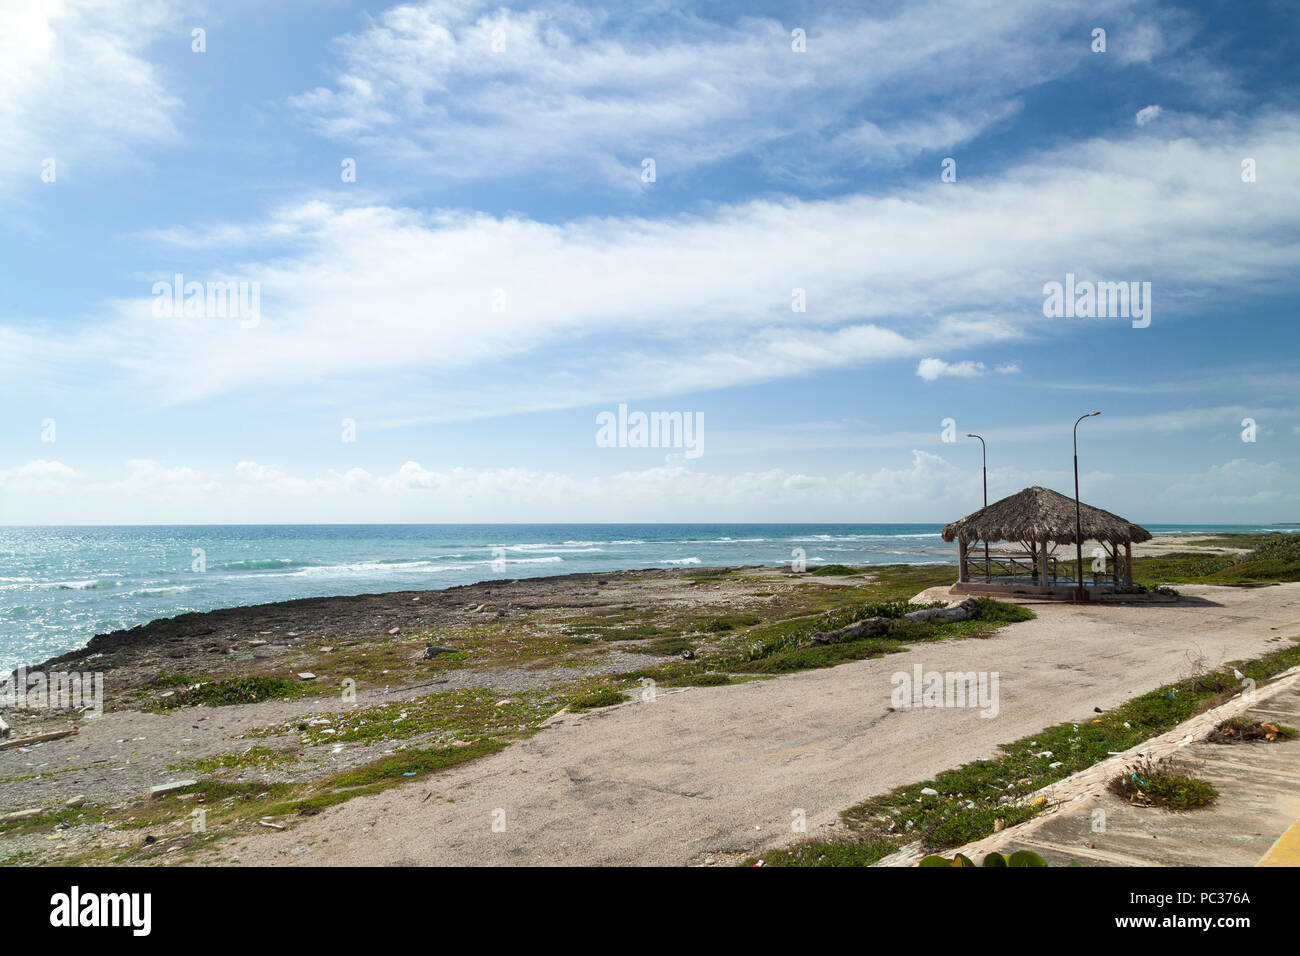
(1044, 515)
(1039, 519)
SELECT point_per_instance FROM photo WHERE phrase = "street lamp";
(1079, 593)
(988, 574)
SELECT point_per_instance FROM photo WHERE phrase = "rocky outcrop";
(945, 615)
(873, 626)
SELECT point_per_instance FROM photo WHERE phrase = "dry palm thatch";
(1040, 514)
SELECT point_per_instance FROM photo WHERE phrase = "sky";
(823, 233)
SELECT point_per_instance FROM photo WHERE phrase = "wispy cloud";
(405, 301)
(1147, 114)
(476, 89)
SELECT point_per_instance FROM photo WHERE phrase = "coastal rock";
(871, 626)
(18, 816)
(867, 627)
(165, 788)
(958, 612)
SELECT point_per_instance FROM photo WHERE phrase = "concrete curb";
(1091, 782)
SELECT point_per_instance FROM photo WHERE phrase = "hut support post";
(1042, 564)
(1128, 563)
(961, 560)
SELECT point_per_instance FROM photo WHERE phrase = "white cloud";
(1147, 114)
(922, 486)
(596, 90)
(75, 85)
(1008, 368)
(931, 369)
(146, 476)
(602, 310)
(37, 474)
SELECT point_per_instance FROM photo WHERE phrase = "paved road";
(718, 770)
(1255, 820)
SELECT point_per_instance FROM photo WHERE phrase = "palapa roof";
(1041, 514)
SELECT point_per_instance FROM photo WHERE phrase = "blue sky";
(499, 154)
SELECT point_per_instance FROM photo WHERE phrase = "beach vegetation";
(229, 691)
(605, 697)
(836, 570)
(976, 799)
(1274, 558)
(1237, 730)
(1162, 783)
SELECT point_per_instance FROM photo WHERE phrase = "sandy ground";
(706, 773)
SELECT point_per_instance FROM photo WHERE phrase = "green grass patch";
(780, 648)
(1275, 557)
(860, 853)
(966, 803)
(229, 691)
(607, 697)
(414, 763)
(707, 679)
(814, 658)
(263, 758)
(901, 581)
(1163, 784)
(1001, 612)
(730, 623)
(450, 715)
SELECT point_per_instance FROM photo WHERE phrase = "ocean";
(60, 586)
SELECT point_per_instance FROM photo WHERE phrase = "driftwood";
(871, 626)
(958, 612)
(867, 627)
(36, 738)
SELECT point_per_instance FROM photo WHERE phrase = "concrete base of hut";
(1057, 592)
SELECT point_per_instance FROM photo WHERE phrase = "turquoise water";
(61, 586)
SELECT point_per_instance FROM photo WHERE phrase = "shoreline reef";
(280, 710)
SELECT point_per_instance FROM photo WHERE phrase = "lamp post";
(1079, 593)
(988, 574)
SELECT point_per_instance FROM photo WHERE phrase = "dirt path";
(713, 771)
